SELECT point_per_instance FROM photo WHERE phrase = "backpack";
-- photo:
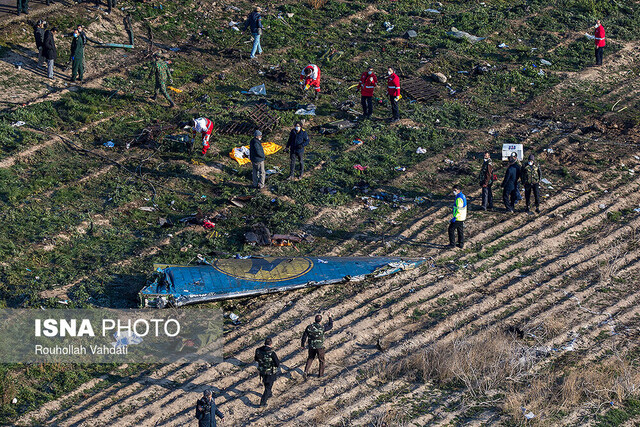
(265, 362)
(316, 335)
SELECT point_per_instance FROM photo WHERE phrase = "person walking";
(160, 69)
(254, 23)
(368, 83)
(298, 139)
(49, 50)
(257, 157)
(600, 42)
(38, 34)
(310, 78)
(393, 90)
(23, 6)
(77, 54)
(315, 334)
(459, 217)
(206, 410)
(203, 126)
(268, 364)
(531, 177)
(486, 181)
(509, 184)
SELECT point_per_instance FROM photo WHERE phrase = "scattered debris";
(337, 126)
(545, 62)
(421, 150)
(147, 208)
(309, 110)
(18, 124)
(109, 144)
(439, 77)
(356, 142)
(264, 119)
(388, 26)
(240, 201)
(431, 11)
(234, 318)
(464, 35)
(410, 34)
(360, 167)
(590, 36)
(602, 206)
(549, 150)
(545, 181)
(257, 90)
(419, 89)
(503, 45)
(400, 168)
(234, 25)
(208, 224)
(164, 222)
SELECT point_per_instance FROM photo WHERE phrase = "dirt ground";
(570, 242)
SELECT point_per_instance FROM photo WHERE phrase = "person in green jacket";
(77, 54)
(160, 68)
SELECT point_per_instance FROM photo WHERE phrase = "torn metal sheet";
(419, 89)
(232, 278)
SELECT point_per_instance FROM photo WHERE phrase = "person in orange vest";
(393, 89)
(205, 127)
(310, 78)
(368, 83)
(600, 42)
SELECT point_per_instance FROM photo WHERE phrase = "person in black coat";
(509, 184)
(256, 155)
(38, 34)
(49, 50)
(206, 410)
(298, 139)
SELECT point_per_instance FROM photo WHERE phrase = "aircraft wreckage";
(231, 278)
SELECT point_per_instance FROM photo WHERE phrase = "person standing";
(254, 23)
(49, 50)
(486, 181)
(459, 217)
(77, 54)
(531, 177)
(393, 90)
(315, 334)
(509, 184)
(368, 83)
(23, 6)
(268, 364)
(38, 34)
(600, 42)
(310, 78)
(206, 410)
(298, 139)
(257, 157)
(160, 69)
(203, 126)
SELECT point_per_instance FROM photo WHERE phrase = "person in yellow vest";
(459, 216)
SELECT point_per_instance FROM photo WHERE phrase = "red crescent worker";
(368, 83)
(393, 89)
(205, 127)
(310, 77)
(600, 42)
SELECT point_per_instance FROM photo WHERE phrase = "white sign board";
(507, 149)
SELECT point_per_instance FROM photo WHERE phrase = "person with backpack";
(206, 410)
(268, 364)
(315, 334)
(486, 181)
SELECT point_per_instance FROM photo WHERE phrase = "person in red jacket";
(600, 42)
(205, 127)
(310, 78)
(368, 83)
(393, 89)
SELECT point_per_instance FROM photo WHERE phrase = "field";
(537, 315)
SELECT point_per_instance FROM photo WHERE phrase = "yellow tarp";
(241, 154)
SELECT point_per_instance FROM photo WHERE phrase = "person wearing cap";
(161, 70)
(206, 410)
(368, 83)
(254, 23)
(298, 139)
(310, 78)
(38, 34)
(600, 42)
(509, 183)
(256, 155)
(531, 177)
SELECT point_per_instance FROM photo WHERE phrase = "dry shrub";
(317, 4)
(321, 414)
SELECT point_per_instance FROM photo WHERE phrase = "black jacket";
(256, 152)
(49, 47)
(267, 349)
(38, 34)
(298, 140)
(511, 177)
(254, 21)
(206, 413)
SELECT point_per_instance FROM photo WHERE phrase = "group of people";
(268, 365)
(46, 45)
